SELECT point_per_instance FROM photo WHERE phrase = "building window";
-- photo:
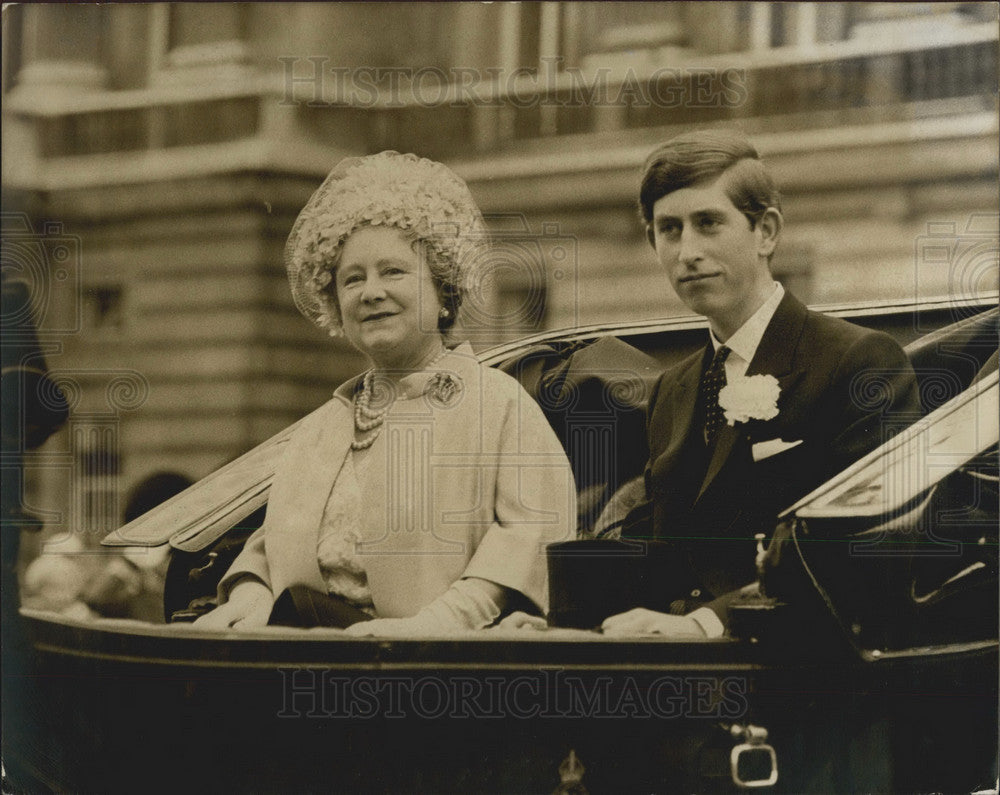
(98, 465)
(103, 307)
(529, 25)
(621, 35)
(547, 37)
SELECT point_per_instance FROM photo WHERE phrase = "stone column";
(201, 42)
(63, 47)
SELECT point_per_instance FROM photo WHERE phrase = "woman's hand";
(413, 627)
(420, 626)
(641, 621)
(248, 607)
(519, 620)
(469, 604)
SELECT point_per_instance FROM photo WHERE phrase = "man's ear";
(651, 236)
(768, 230)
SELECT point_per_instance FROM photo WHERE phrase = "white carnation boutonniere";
(753, 397)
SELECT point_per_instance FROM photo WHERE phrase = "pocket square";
(762, 450)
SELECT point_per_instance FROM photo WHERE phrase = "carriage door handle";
(755, 753)
(195, 575)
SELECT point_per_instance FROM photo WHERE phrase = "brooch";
(443, 388)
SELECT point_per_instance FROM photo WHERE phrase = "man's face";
(716, 263)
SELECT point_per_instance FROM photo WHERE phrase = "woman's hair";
(704, 155)
(424, 199)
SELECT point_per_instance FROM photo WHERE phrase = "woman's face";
(388, 301)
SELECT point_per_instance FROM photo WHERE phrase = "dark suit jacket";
(844, 390)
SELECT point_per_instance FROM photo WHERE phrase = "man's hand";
(641, 621)
(248, 607)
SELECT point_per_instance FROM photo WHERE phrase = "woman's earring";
(444, 312)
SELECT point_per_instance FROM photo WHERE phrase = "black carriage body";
(121, 708)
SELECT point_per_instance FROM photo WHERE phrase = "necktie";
(712, 381)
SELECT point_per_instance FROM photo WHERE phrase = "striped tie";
(712, 381)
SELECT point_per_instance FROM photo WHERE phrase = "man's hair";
(704, 155)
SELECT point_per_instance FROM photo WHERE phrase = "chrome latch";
(570, 777)
(754, 756)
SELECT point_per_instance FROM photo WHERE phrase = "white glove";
(468, 604)
(248, 607)
(519, 621)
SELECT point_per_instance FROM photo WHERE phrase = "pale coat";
(474, 486)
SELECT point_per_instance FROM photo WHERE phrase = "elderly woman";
(421, 496)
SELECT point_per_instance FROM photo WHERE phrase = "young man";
(804, 395)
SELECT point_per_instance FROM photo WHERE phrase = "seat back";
(594, 395)
(946, 361)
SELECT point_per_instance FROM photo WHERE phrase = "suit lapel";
(724, 444)
(681, 402)
(774, 356)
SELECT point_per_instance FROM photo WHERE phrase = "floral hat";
(419, 196)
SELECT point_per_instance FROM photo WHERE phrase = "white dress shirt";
(746, 339)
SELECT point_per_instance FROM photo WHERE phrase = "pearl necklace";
(365, 419)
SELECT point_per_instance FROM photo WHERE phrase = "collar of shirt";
(744, 342)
